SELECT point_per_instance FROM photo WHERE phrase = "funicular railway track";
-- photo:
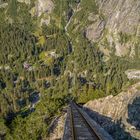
(81, 129)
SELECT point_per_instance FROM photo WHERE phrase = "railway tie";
(79, 127)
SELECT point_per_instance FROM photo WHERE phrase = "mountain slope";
(57, 50)
(121, 110)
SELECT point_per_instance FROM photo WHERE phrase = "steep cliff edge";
(119, 115)
(122, 25)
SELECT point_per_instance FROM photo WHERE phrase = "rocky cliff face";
(122, 15)
(119, 115)
(57, 128)
(122, 25)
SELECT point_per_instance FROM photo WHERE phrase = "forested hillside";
(48, 58)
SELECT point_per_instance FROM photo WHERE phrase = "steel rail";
(72, 125)
(87, 123)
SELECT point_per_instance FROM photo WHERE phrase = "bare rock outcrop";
(119, 115)
(44, 6)
(43, 9)
(122, 28)
(122, 15)
(133, 74)
(57, 128)
(24, 1)
(94, 31)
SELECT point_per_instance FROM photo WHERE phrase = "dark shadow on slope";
(115, 129)
(134, 113)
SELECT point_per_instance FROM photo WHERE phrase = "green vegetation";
(12, 9)
(124, 38)
(26, 80)
(42, 68)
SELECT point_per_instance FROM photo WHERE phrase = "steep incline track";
(81, 128)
